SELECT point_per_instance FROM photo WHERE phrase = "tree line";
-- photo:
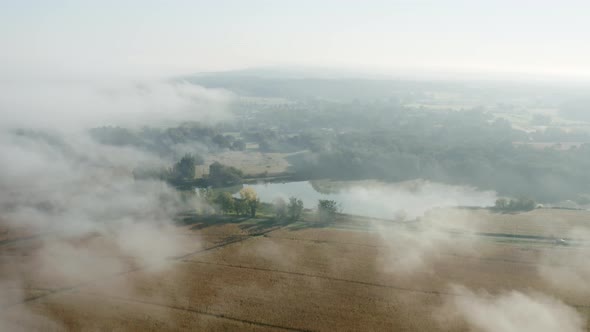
(247, 204)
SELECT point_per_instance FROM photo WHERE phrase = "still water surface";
(408, 199)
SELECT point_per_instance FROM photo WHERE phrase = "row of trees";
(327, 210)
(514, 205)
(246, 205)
(288, 211)
(184, 169)
(223, 176)
(182, 173)
(164, 141)
(248, 202)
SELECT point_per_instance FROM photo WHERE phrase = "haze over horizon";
(457, 39)
(264, 165)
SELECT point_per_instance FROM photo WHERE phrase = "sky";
(159, 38)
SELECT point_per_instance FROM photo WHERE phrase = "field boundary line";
(330, 242)
(365, 283)
(136, 269)
(241, 238)
(406, 289)
(24, 238)
(72, 288)
(197, 311)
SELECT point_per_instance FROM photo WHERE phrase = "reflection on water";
(377, 199)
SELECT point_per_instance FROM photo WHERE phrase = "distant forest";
(377, 136)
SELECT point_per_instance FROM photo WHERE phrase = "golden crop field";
(257, 275)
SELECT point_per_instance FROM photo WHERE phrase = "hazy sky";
(173, 37)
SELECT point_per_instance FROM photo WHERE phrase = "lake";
(409, 199)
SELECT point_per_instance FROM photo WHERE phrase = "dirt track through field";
(480, 258)
(200, 312)
(323, 277)
(231, 241)
(50, 292)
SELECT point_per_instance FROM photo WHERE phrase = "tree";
(249, 196)
(513, 205)
(185, 168)
(240, 206)
(205, 201)
(501, 204)
(295, 208)
(327, 209)
(280, 208)
(522, 204)
(222, 141)
(206, 194)
(224, 176)
(225, 202)
(239, 145)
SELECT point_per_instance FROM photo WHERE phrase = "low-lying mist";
(76, 199)
(443, 236)
(77, 202)
(66, 104)
(511, 311)
(402, 200)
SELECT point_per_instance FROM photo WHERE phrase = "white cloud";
(511, 312)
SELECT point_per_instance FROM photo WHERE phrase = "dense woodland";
(383, 140)
(370, 135)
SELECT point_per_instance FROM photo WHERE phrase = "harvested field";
(252, 163)
(258, 275)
